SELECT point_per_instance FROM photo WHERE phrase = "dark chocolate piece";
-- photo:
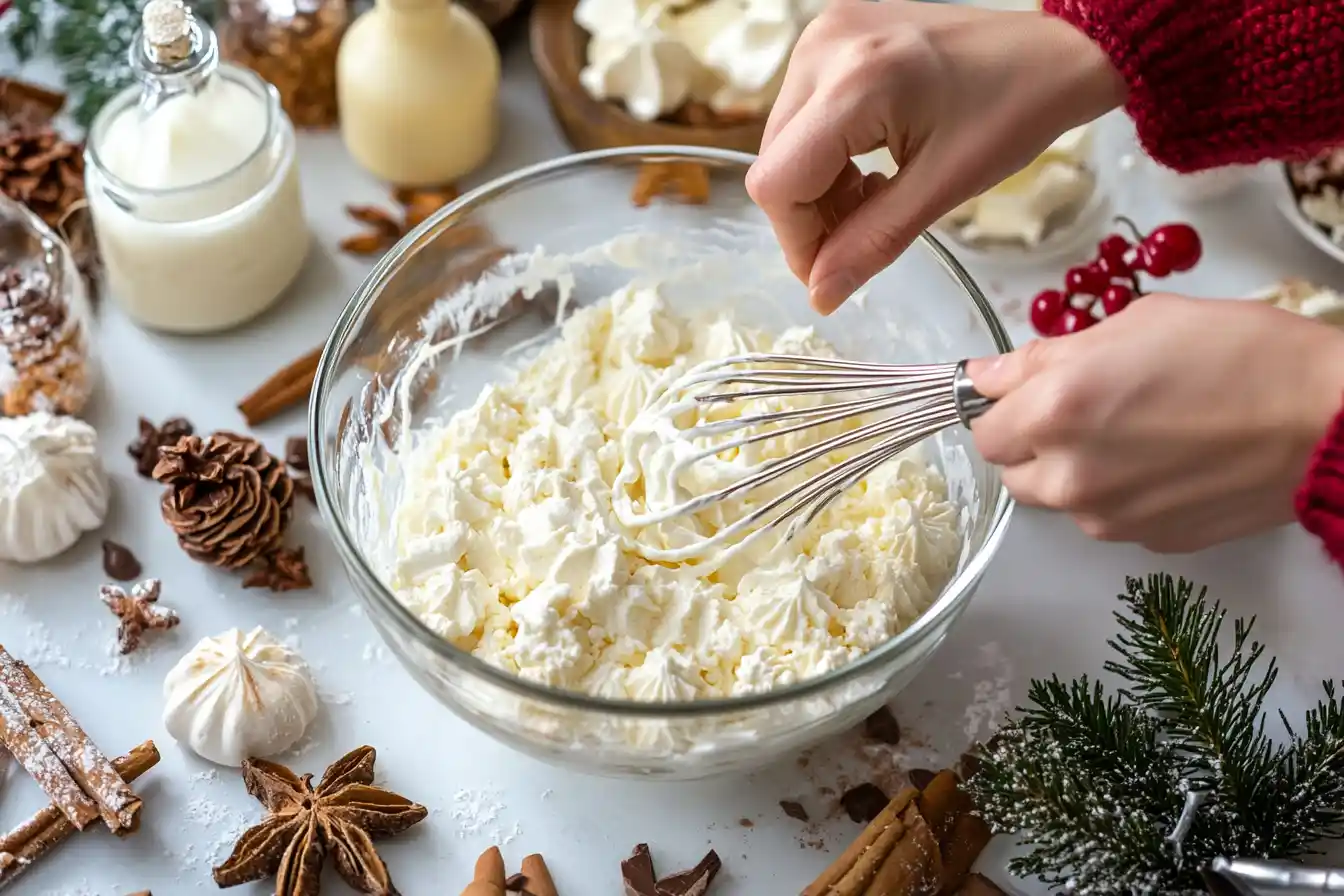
(864, 803)
(119, 563)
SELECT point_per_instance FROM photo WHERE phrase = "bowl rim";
(955, 594)
(1305, 227)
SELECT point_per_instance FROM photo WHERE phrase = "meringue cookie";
(236, 696)
(53, 487)
(641, 66)
(753, 47)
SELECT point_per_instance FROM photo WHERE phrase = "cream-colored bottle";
(418, 86)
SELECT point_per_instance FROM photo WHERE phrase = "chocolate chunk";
(693, 881)
(119, 563)
(864, 803)
(296, 453)
(920, 777)
(303, 484)
(794, 809)
(637, 873)
(882, 726)
(515, 882)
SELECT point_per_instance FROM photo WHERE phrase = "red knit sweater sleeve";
(1221, 82)
(1320, 499)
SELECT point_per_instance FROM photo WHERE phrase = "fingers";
(799, 169)
(998, 375)
(875, 235)
(1003, 434)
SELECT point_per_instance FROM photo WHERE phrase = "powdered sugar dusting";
(478, 813)
(993, 697)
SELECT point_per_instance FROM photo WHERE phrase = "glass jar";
(45, 358)
(193, 184)
(292, 44)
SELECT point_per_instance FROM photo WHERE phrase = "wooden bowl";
(559, 48)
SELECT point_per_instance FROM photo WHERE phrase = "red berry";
(1153, 261)
(1073, 320)
(1046, 308)
(1113, 268)
(1089, 280)
(1116, 298)
(1178, 244)
(1113, 248)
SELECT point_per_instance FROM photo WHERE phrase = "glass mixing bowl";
(449, 309)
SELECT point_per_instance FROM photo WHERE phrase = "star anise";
(341, 816)
(137, 612)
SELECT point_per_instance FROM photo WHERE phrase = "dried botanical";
(282, 570)
(383, 229)
(228, 499)
(685, 182)
(45, 172)
(341, 816)
(137, 612)
(145, 448)
(293, 46)
(43, 351)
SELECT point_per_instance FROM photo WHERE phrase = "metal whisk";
(922, 399)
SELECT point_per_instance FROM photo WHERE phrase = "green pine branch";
(90, 41)
(1094, 785)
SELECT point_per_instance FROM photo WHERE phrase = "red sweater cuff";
(1222, 82)
(1320, 499)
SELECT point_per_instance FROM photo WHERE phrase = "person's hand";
(1179, 423)
(962, 97)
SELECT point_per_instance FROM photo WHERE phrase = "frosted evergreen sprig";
(1094, 785)
(90, 41)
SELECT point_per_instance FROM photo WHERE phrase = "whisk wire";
(926, 398)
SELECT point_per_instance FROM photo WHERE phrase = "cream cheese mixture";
(508, 545)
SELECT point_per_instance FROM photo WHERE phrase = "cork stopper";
(167, 26)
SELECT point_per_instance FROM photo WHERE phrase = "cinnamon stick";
(539, 881)
(117, 803)
(28, 842)
(288, 387)
(861, 861)
(488, 879)
(914, 867)
(922, 844)
(26, 735)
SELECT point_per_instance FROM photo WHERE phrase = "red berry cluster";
(1111, 281)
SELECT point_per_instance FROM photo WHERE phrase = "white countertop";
(1045, 607)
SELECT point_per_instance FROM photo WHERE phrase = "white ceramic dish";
(1287, 205)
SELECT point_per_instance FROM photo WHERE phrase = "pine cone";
(46, 173)
(42, 171)
(228, 499)
(42, 344)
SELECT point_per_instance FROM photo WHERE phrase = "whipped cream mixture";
(507, 542)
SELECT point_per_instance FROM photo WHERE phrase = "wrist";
(1091, 84)
(1324, 397)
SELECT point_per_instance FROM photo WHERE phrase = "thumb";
(996, 376)
(871, 237)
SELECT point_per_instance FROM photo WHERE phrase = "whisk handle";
(970, 403)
